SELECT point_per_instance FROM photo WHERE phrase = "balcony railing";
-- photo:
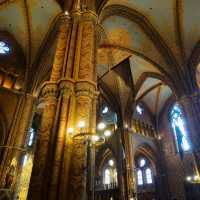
(107, 192)
(143, 128)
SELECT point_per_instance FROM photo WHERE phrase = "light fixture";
(107, 133)
(66, 12)
(105, 110)
(111, 163)
(188, 178)
(159, 137)
(81, 124)
(101, 126)
(70, 130)
(95, 138)
(196, 177)
(126, 126)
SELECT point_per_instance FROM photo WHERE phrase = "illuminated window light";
(139, 177)
(31, 137)
(4, 49)
(139, 109)
(105, 110)
(149, 176)
(179, 128)
(142, 162)
(25, 159)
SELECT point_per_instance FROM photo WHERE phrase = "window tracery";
(144, 172)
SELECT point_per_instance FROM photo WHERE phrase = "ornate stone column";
(47, 135)
(55, 192)
(191, 107)
(85, 91)
(129, 164)
(60, 159)
(40, 173)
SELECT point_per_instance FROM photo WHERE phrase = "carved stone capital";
(85, 88)
(66, 87)
(49, 89)
(89, 15)
(65, 19)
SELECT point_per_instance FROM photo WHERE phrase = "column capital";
(85, 88)
(66, 87)
(65, 18)
(89, 15)
(49, 89)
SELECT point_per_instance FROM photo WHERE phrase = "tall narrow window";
(179, 129)
(139, 177)
(148, 176)
(31, 135)
(107, 176)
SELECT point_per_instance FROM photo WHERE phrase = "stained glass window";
(4, 48)
(179, 128)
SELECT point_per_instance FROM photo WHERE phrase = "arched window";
(179, 129)
(110, 173)
(139, 177)
(144, 172)
(149, 176)
(107, 177)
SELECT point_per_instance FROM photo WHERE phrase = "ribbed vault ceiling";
(158, 37)
(28, 22)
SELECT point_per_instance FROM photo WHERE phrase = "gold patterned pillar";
(46, 138)
(55, 191)
(40, 171)
(129, 165)
(85, 91)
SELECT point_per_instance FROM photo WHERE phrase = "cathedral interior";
(99, 99)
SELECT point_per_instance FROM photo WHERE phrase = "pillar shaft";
(40, 174)
(47, 135)
(60, 159)
(191, 107)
